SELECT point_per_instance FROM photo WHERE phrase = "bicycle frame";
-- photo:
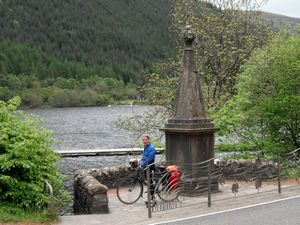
(131, 189)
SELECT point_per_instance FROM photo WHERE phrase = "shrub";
(6, 93)
(88, 97)
(26, 160)
(59, 98)
(32, 99)
(265, 111)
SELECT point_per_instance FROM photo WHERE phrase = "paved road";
(279, 212)
(234, 211)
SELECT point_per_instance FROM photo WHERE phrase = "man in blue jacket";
(148, 159)
(149, 152)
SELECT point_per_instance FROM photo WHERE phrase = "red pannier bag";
(174, 179)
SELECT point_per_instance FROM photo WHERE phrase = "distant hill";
(85, 52)
(117, 38)
(279, 21)
(120, 36)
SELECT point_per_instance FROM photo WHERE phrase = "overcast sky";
(283, 7)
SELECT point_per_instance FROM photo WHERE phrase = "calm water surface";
(89, 127)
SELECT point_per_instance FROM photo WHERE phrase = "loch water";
(81, 128)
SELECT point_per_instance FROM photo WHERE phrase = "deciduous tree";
(265, 113)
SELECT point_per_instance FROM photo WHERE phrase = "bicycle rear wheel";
(129, 191)
(165, 190)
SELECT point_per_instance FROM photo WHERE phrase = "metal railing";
(217, 180)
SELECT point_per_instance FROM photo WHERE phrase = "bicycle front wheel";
(129, 191)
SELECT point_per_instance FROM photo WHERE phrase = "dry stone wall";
(247, 169)
(90, 196)
(91, 186)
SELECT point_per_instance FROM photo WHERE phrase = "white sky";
(283, 7)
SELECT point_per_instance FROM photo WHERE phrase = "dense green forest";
(82, 53)
(41, 79)
(118, 36)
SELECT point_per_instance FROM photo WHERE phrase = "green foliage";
(17, 59)
(227, 35)
(26, 160)
(121, 37)
(290, 172)
(265, 112)
(239, 147)
(66, 84)
(14, 214)
(6, 93)
(160, 91)
(94, 91)
(157, 142)
(58, 98)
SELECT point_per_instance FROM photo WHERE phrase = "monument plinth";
(189, 133)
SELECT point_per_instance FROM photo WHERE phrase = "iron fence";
(181, 185)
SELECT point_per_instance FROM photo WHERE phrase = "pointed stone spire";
(189, 101)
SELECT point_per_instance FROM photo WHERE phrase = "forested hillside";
(42, 79)
(17, 58)
(84, 53)
(279, 21)
(118, 36)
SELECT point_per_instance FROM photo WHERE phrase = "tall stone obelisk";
(189, 133)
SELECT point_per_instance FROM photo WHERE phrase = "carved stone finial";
(188, 36)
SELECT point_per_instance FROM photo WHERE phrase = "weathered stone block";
(90, 196)
(99, 204)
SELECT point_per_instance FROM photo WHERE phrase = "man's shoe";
(153, 203)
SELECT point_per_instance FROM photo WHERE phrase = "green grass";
(14, 214)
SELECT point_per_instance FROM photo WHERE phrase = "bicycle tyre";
(129, 191)
(165, 191)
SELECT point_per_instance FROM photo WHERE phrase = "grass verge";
(13, 215)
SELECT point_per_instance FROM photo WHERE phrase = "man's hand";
(138, 162)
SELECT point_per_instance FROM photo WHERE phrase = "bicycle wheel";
(165, 190)
(129, 191)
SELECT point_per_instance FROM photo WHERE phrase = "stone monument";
(189, 133)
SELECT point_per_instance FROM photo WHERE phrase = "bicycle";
(131, 189)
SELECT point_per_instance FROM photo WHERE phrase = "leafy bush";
(265, 112)
(240, 147)
(58, 98)
(65, 92)
(26, 160)
(6, 93)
